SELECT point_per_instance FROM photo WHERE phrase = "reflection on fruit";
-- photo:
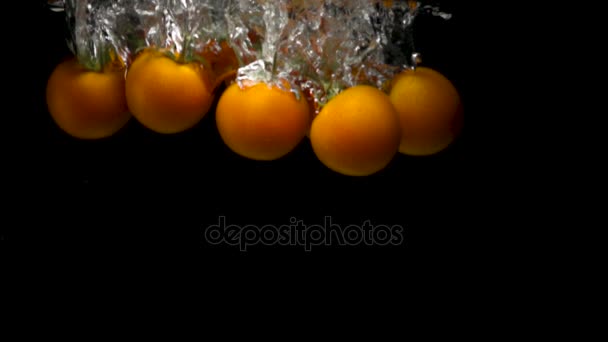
(261, 122)
(87, 104)
(430, 111)
(167, 96)
(357, 132)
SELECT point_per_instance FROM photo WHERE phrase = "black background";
(152, 196)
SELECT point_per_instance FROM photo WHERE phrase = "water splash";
(436, 11)
(259, 33)
(101, 31)
(337, 44)
(92, 30)
(323, 46)
(188, 26)
(56, 5)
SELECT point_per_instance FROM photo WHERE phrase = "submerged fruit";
(87, 104)
(430, 111)
(261, 122)
(222, 60)
(357, 132)
(167, 96)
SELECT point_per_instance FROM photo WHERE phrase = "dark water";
(140, 191)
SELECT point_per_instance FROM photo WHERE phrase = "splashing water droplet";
(56, 5)
(416, 60)
(435, 11)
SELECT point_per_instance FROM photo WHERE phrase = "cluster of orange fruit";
(357, 132)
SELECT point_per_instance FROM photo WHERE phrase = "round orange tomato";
(357, 132)
(261, 122)
(87, 104)
(167, 96)
(430, 111)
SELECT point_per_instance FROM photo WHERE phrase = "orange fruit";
(261, 122)
(87, 104)
(166, 96)
(430, 111)
(357, 132)
(223, 61)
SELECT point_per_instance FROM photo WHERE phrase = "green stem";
(186, 55)
(274, 66)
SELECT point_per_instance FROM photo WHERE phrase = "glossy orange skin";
(357, 132)
(430, 111)
(87, 104)
(261, 122)
(166, 96)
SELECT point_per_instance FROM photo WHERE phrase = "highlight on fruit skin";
(165, 95)
(261, 122)
(87, 104)
(357, 132)
(430, 111)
